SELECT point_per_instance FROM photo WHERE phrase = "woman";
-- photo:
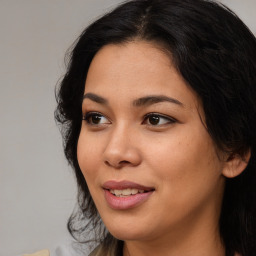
(158, 116)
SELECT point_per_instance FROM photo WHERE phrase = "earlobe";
(236, 164)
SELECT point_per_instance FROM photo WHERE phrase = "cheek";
(188, 176)
(187, 159)
(87, 155)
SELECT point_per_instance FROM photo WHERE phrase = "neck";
(196, 238)
(192, 247)
(196, 235)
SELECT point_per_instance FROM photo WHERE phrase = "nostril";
(124, 162)
(107, 163)
(117, 164)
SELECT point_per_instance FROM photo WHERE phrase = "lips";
(125, 194)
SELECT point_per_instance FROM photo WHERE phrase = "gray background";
(37, 189)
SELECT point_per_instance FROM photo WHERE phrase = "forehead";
(136, 69)
(128, 57)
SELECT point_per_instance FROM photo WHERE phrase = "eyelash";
(169, 120)
(87, 117)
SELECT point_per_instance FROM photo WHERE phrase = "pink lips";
(127, 202)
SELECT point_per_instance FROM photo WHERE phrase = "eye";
(155, 119)
(95, 118)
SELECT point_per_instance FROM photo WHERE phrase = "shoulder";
(40, 253)
(109, 248)
(98, 251)
(101, 250)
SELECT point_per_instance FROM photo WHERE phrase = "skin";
(178, 158)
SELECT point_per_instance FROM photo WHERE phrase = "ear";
(235, 164)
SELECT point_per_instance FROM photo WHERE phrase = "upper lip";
(112, 184)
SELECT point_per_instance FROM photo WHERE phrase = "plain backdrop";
(37, 188)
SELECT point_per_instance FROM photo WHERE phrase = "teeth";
(126, 192)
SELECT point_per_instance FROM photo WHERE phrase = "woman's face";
(150, 165)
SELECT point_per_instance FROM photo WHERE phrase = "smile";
(125, 194)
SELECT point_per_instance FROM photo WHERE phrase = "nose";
(121, 149)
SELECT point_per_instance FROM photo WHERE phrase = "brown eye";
(154, 120)
(95, 119)
(157, 120)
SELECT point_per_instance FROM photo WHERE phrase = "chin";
(126, 236)
(127, 231)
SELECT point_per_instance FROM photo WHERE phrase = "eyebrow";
(153, 99)
(143, 101)
(95, 98)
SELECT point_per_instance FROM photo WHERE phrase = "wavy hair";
(215, 53)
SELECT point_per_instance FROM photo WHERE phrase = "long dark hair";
(216, 54)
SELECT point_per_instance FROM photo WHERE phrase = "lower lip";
(127, 202)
